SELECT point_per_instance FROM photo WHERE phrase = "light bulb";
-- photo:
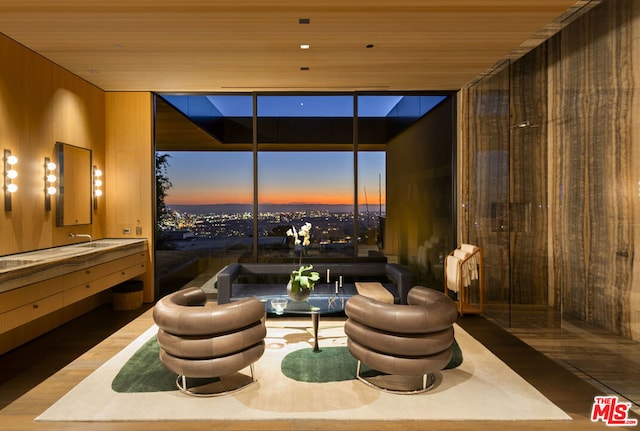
(98, 193)
(51, 166)
(97, 173)
(98, 183)
(12, 188)
(12, 160)
(51, 190)
(51, 178)
(12, 173)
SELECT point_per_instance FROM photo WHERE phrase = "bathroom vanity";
(36, 284)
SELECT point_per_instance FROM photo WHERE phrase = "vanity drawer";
(82, 276)
(122, 263)
(85, 290)
(125, 274)
(15, 298)
(28, 312)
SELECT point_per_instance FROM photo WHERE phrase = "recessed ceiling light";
(304, 21)
(305, 46)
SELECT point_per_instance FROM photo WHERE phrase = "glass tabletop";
(315, 304)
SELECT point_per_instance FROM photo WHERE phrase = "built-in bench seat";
(239, 280)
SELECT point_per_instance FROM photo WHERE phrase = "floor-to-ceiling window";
(305, 174)
(210, 202)
(246, 168)
(305, 187)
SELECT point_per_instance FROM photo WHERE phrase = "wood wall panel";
(41, 103)
(129, 174)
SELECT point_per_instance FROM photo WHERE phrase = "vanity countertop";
(30, 267)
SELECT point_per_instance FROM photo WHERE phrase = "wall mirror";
(73, 204)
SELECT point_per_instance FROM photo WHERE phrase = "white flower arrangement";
(303, 277)
(304, 233)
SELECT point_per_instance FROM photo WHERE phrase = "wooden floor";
(609, 362)
(35, 375)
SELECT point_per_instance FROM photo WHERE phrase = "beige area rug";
(482, 388)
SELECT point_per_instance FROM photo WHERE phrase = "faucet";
(81, 235)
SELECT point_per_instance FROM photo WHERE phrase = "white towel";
(473, 261)
(465, 268)
(460, 254)
(468, 248)
(453, 273)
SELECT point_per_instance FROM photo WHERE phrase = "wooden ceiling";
(254, 45)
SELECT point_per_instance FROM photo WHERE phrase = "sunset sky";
(284, 177)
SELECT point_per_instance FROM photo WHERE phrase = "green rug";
(331, 364)
(143, 372)
(335, 364)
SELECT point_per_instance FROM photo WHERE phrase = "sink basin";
(51, 256)
(13, 263)
(96, 245)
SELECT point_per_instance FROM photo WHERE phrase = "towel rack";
(465, 257)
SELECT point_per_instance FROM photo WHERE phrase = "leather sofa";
(394, 277)
(200, 339)
(407, 340)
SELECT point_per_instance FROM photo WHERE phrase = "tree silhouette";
(163, 184)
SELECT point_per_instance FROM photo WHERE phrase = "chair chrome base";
(428, 381)
(181, 383)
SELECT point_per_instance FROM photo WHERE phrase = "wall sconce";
(10, 174)
(49, 181)
(97, 183)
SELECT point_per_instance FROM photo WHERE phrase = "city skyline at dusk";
(209, 178)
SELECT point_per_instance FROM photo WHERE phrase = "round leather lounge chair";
(401, 340)
(200, 339)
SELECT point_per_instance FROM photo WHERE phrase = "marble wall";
(483, 170)
(595, 108)
(528, 195)
(571, 173)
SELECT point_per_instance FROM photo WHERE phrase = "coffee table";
(316, 305)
